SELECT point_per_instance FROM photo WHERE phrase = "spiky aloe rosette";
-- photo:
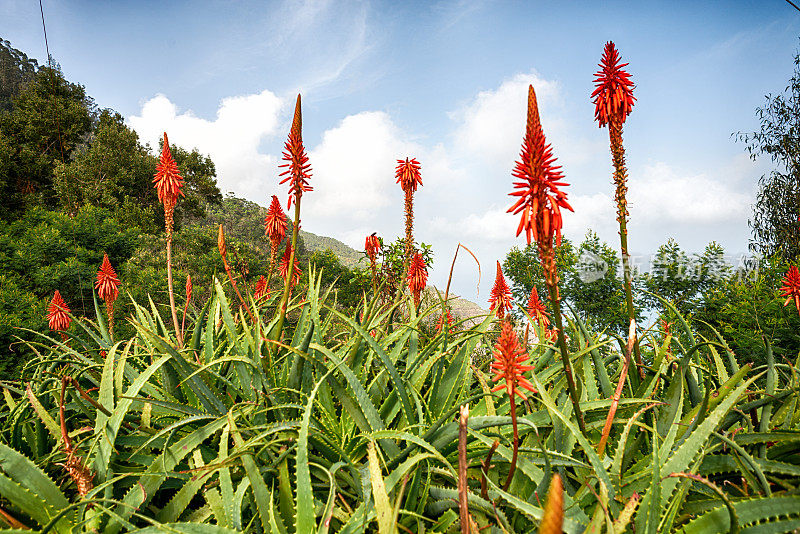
(539, 204)
(169, 184)
(613, 99)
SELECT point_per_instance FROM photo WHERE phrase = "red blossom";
(57, 313)
(275, 221)
(408, 174)
(107, 284)
(500, 297)
(188, 288)
(417, 276)
(298, 170)
(261, 288)
(539, 198)
(509, 363)
(283, 268)
(168, 181)
(444, 318)
(791, 287)
(613, 94)
(536, 308)
(372, 246)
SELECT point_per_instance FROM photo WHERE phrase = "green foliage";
(16, 71)
(684, 280)
(345, 430)
(591, 280)
(49, 119)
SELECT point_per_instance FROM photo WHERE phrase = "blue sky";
(444, 82)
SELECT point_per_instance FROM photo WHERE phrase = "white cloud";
(493, 123)
(664, 195)
(353, 169)
(231, 139)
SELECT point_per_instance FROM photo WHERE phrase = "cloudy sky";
(444, 82)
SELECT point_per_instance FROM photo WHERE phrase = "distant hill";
(348, 256)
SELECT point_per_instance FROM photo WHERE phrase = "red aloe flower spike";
(275, 222)
(444, 319)
(509, 363)
(57, 313)
(298, 169)
(408, 174)
(540, 199)
(417, 276)
(261, 288)
(372, 246)
(188, 288)
(537, 310)
(107, 284)
(500, 297)
(168, 181)
(791, 287)
(284, 266)
(613, 95)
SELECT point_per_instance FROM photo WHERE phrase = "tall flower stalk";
(107, 286)
(613, 100)
(297, 173)
(539, 202)
(223, 251)
(509, 365)
(409, 177)
(168, 182)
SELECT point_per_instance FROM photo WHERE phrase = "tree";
(591, 281)
(49, 119)
(16, 71)
(684, 280)
(776, 215)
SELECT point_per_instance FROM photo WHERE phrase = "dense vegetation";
(347, 400)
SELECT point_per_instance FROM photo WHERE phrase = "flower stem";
(620, 179)
(178, 333)
(513, 467)
(287, 283)
(547, 256)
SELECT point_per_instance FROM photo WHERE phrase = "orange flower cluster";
(444, 319)
(57, 313)
(417, 276)
(107, 284)
(372, 246)
(283, 268)
(298, 169)
(188, 288)
(168, 182)
(509, 363)
(261, 288)
(539, 198)
(791, 287)
(408, 174)
(275, 222)
(613, 94)
(537, 310)
(500, 298)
